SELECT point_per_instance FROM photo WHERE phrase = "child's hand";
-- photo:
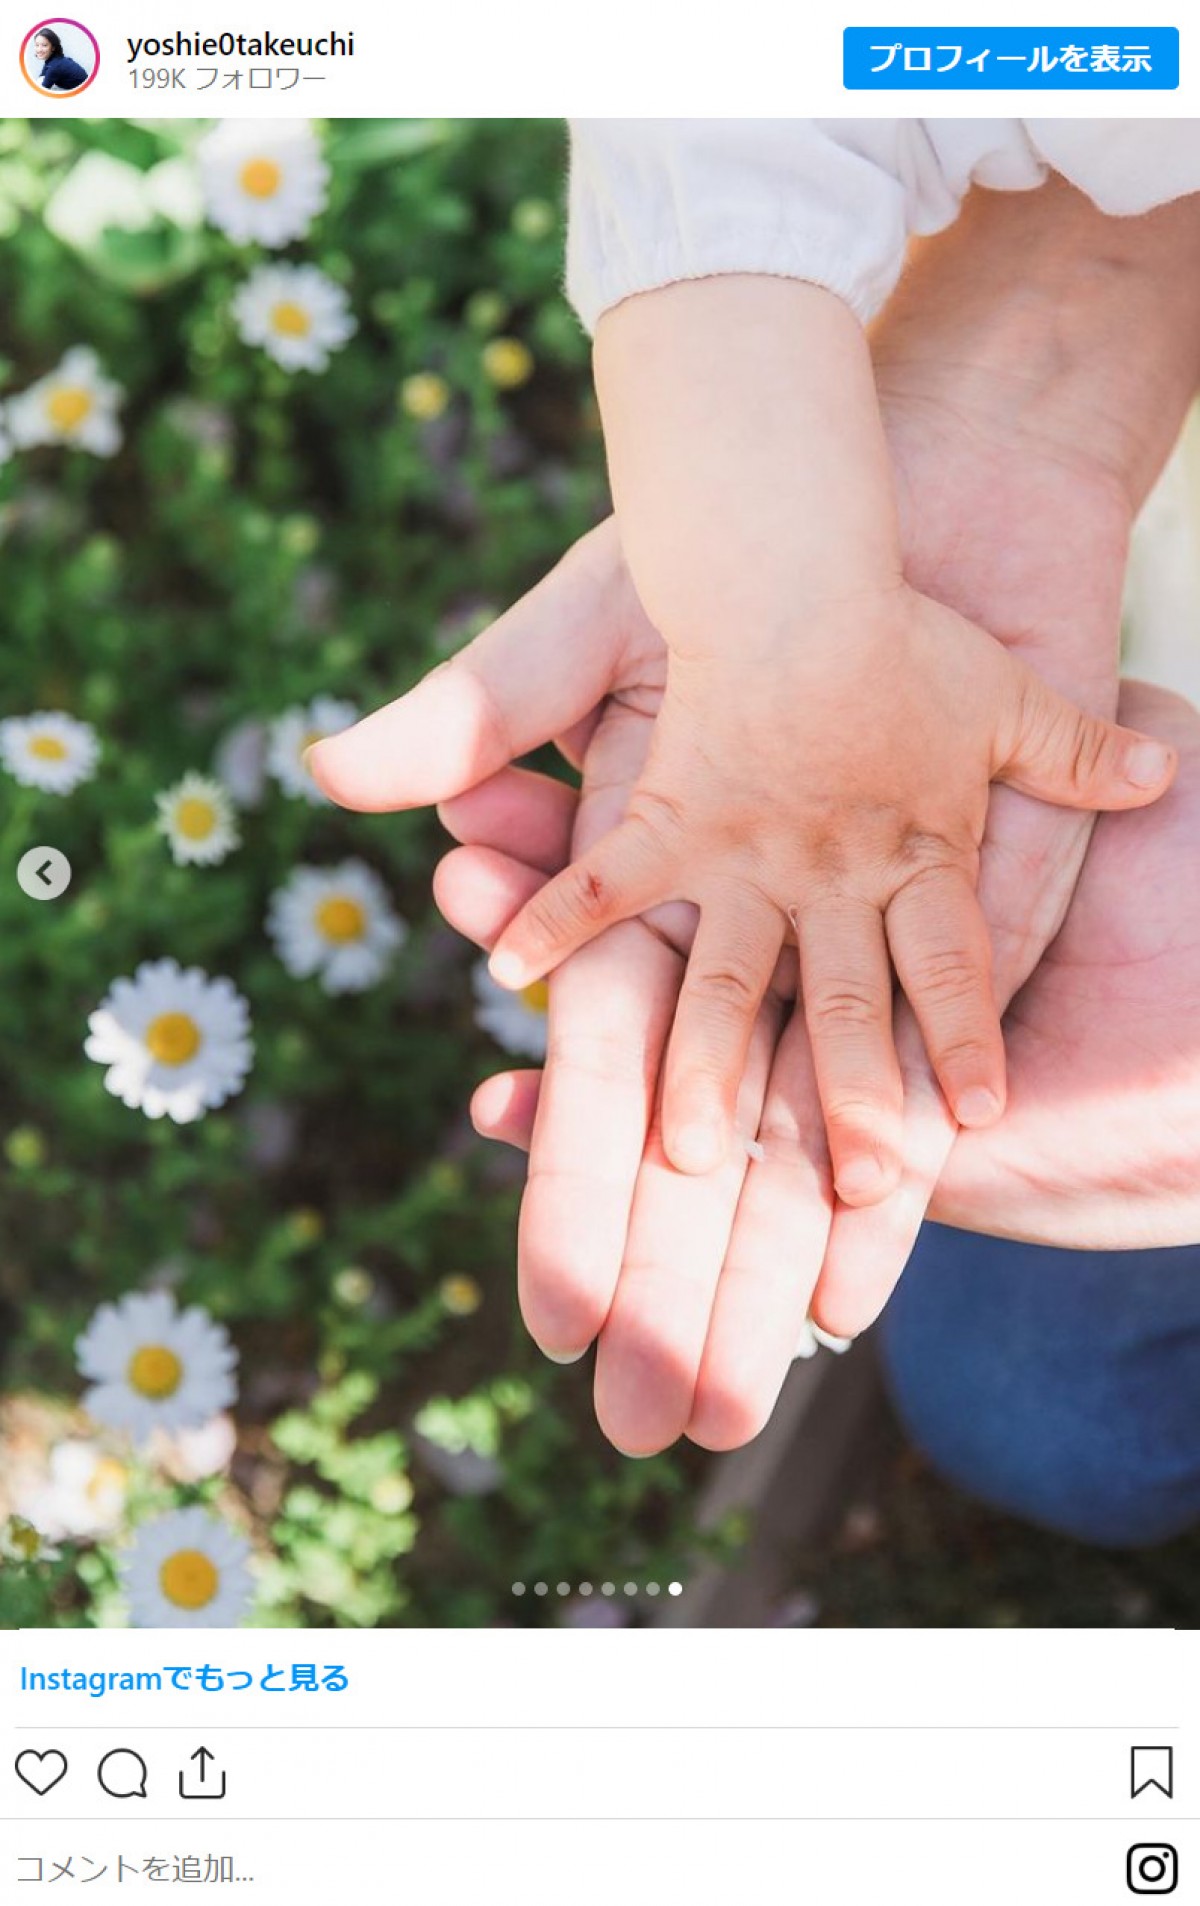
(836, 785)
(822, 756)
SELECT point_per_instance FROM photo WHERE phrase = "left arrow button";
(43, 873)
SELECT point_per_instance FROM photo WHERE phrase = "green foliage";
(261, 538)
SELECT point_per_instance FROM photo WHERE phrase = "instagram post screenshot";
(599, 954)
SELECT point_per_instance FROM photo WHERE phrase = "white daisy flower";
(175, 1041)
(336, 922)
(517, 1021)
(5, 442)
(294, 732)
(197, 817)
(296, 313)
(83, 1494)
(187, 1570)
(74, 405)
(48, 750)
(264, 181)
(154, 1367)
(813, 1338)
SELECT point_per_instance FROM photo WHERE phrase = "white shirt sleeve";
(831, 201)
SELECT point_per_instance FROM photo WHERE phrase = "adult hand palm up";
(698, 1287)
(1098, 1146)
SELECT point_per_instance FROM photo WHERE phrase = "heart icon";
(41, 1771)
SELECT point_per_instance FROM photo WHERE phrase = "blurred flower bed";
(285, 413)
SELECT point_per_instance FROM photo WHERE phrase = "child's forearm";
(1053, 327)
(748, 463)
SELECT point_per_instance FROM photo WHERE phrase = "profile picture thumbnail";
(60, 57)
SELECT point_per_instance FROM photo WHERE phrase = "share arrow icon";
(204, 1784)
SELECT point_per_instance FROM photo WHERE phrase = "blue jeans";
(1061, 1385)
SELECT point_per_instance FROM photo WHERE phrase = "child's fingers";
(846, 981)
(621, 876)
(943, 959)
(732, 960)
(868, 1249)
(1058, 753)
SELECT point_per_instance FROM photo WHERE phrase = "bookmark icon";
(1152, 1768)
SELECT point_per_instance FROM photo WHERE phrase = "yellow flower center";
(25, 1539)
(154, 1372)
(460, 1294)
(48, 748)
(260, 178)
(537, 996)
(173, 1038)
(340, 918)
(425, 395)
(508, 363)
(68, 405)
(306, 1225)
(290, 319)
(195, 819)
(189, 1579)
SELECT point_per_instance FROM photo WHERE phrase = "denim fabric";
(1061, 1385)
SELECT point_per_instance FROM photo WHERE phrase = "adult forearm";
(1052, 326)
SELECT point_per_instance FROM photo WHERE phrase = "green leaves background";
(260, 539)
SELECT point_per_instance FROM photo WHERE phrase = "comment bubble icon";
(122, 1773)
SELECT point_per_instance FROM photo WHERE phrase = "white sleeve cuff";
(654, 201)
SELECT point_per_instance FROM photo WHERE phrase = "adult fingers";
(610, 1012)
(504, 1107)
(516, 811)
(650, 1351)
(533, 674)
(774, 1257)
(478, 890)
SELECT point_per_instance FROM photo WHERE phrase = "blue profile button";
(1065, 59)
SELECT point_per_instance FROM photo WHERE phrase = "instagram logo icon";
(1153, 1869)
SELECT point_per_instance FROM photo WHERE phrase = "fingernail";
(977, 1106)
(563, 1356)
(697, 1148)
(306, 755)
(861, 1178)
(1147, 764)
(631, 1455)
(507, 969)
